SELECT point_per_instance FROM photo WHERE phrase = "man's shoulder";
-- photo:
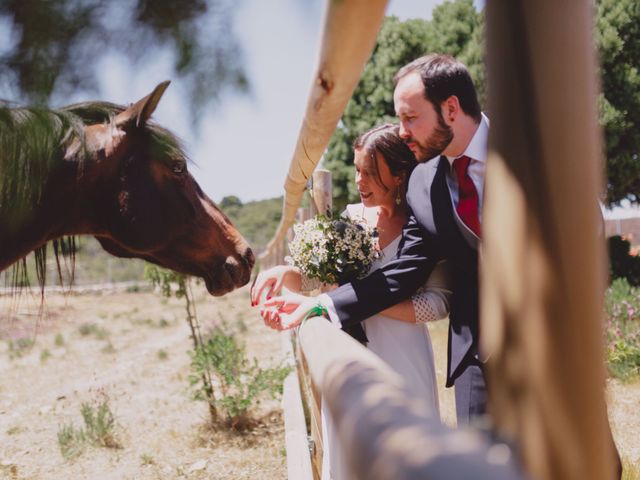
(424, 172)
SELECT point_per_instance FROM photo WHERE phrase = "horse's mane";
(162, 139)
(32, 142)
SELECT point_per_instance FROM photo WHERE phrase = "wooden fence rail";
(304, 448)
(541, 296)
(384, 430)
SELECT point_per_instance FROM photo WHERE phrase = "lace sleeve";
(431, 301)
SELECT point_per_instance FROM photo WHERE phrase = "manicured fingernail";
(268, 297)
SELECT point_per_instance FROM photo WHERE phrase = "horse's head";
(152, 208)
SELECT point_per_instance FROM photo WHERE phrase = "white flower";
(333, 250)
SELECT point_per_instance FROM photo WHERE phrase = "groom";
(441, 121)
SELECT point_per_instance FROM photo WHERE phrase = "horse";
(106, 170)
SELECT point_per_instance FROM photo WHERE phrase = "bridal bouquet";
(333, 251)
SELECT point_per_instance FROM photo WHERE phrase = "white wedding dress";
(405, 347)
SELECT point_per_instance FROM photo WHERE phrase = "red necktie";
(467, 195)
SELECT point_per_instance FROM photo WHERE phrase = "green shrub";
(20, 346)
(93, 329)
(100, 424)
(99, 430)
(71, 441)
(622, 264)
(622, 305)
(242, 383)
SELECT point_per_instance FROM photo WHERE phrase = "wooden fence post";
(543, 266)
(321, 202)
(321, 192)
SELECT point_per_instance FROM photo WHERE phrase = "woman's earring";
(398, 199)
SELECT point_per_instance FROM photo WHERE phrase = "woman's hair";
(385, 139)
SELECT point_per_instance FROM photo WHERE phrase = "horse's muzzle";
(233, 273)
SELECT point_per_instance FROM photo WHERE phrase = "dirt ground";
(131, 348)
(623, 401)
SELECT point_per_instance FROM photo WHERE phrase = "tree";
(455, 26)
(618, 41)
(55, 46)
(458, 29)
(257, 221)
(231, 206)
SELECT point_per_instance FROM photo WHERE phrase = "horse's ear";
(136, 115)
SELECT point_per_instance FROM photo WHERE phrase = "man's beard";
(436, 143)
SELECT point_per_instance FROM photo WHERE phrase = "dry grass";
(143, 366)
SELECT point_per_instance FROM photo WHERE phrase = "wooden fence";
(541, 298)
(303, 463)
(327, 360)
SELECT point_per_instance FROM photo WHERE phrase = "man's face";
(421, 126)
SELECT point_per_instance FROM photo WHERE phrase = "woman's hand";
(287, 311)
(272, 280)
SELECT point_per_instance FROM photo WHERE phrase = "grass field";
(129, 349)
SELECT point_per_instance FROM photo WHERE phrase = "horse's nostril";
(249, 258)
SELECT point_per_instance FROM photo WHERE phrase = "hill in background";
(257, 221)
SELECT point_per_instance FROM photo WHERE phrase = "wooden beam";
(385, 431)
(350, 31)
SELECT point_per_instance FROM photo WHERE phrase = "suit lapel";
(441, 200)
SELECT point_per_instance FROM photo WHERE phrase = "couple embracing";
(430, 257)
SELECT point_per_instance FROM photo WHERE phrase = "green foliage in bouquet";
(333, 251)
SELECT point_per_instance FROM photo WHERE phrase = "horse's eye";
(179, 168)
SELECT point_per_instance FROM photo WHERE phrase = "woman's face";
(372, 193)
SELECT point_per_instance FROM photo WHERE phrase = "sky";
(244, 144)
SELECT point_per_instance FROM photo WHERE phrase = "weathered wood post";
(543, 259)
(321, 192)
(321, 202)
(349, 34)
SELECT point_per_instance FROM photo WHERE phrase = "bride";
(398, 335)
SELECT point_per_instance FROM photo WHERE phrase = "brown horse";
(105, 170)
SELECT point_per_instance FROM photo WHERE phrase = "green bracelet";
(318, 311)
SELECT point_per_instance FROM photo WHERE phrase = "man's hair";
(443, 76)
